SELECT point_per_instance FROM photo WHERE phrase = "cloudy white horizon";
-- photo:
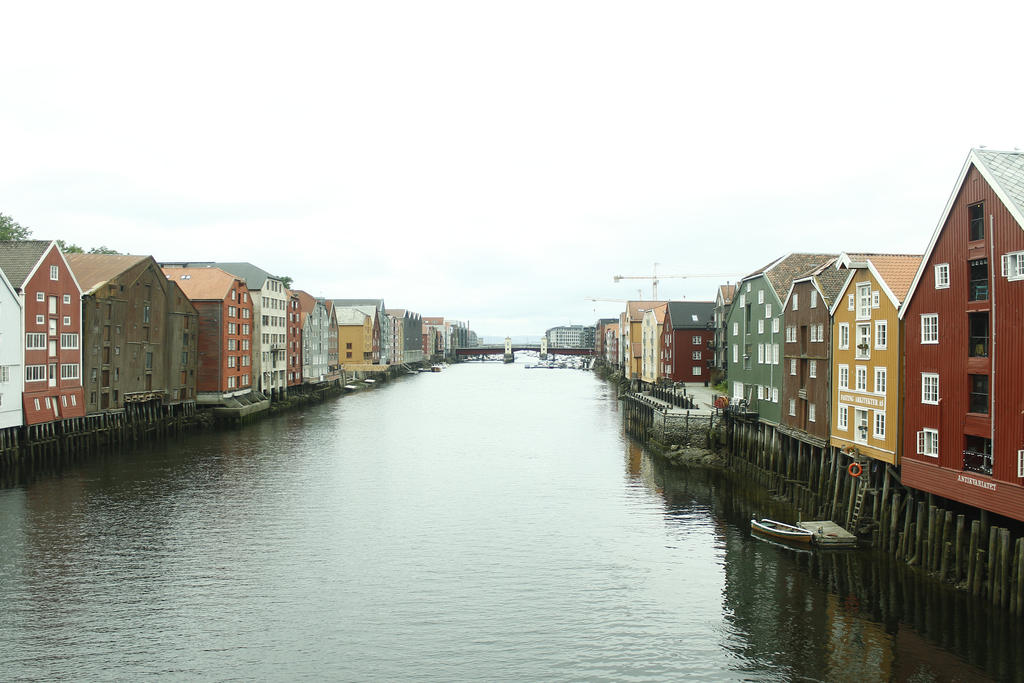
(498, 163)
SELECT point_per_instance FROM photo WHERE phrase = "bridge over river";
(509, 349)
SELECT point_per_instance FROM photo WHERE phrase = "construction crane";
(655, 277)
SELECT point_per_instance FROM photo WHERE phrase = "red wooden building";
(294, 348)
(53, 329)
(963, 435)
(687, 341)
(225, 331)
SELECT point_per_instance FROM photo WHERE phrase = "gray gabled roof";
(691, 314)
(19, 258)
(376, 303)
(1007, 168)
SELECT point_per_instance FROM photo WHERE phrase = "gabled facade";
(51, 302)
(964, 435)
(651, 327)
(315, 338)
(139, 333)
(333, 364)
(12, 355)
(807, 353)
(225, 341)
(410, 343)
(866, 354)
(611, 343)
(632, 337)
(380, 345)
(294, 340)
(723, 302)
(688, 341)
(355, 335)
(756, 337)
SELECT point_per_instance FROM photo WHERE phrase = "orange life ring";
(854, 469)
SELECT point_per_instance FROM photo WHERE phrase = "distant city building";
(571, 337)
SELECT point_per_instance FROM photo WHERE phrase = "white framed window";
(69, 371)
(695, 339)
(843, 417)
(879, 424)
(696, 371)
(814, 298)
(1013, 265)
(34, 341)
(735, 353)
(875, 299)
(67, 298)
(929, 388)
(737, 391)
(695, 355)
(792, 366)
(811, 413)
(796, 301)
(775, 325)
(68, 341)
(232, 328)
(35, 373)
(232, 361)
(849, 302)
(67, 321)
(748, 287)
(775, 354)
(881, 375)
(881, 334)
(1020, 464)
(760, 296)
(40, 296)
(735, 329)
(54, 273)
(928, 442)
(775, 395)
(760, 353)
(232, 382)
(234, 295)
(844, 336)
(790, 333)
(743, 298)
(792, 407)
(863, 341)
(942, 276)
(861, 378)
(40, 320)
(5, 373)
(767, 310)
(232, 312)
(760, 327)
(812, 368)
(864, 301)
(930, 328)
(760, 392)
(844, 376)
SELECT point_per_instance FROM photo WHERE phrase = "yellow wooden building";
(866, 363)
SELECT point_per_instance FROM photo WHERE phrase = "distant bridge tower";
(544, 347)
(509, 356)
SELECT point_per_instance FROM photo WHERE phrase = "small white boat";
(781, 531)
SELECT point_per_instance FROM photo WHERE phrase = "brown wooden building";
(807, 354)
(53, 325)
(225, 343)
(963, 433)
(687, 341)
(139, 334)
(294, 347)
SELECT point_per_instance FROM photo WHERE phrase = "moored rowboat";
(778, 530)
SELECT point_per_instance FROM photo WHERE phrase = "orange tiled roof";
(202, 284)
(897, 270)
(638, 308)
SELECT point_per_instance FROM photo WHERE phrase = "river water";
(484, 523)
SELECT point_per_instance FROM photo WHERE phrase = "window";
(35, 373)
(696, 371)
(695, 355)
(814, 298)
(929, 388)
(245, 328)
(245, 313)
(748, 289)
(69, 371)
(232, 361)
(40, 320)
(843, 421)
(879, 424)
(767, 310)
(232, 382)
(812, 368)
(735, 329)
(861, 378)
(760, 327)
(232, 344)
(792, 366)
(880, 380)
(743, 298)
(863, 340)
(796, 301)
(149, 360)
(863, 301)
(792, 406)
(775, 325)
(849, 302)
(930, 328)
(811, 413)
(232, 312)
(67, 321)
(976, 221)
(979, 393)
(844, 335)
(234, 295)
(695, 339)
(928, 442)
(790, 333)
(5, 373)
(875, 299)
(977, 326)
(977, 285)
(942, 276)
(232, 328)
(54, 273)
(775, 354)
(67, 298)
(881, 334)
(735, 352)
(69, 341)
(40, 296)
(760, 392)
(775, 395)
(760, 296)
(760, 353)
(1013, 265)
(35, 340)
(844, 376)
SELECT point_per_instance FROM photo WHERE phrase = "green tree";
(11, 231)
(286, 281)
(103, 249)
(66, 248)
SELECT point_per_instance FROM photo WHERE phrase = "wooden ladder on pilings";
(853, 523)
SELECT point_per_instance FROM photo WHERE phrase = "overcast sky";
(498, 162)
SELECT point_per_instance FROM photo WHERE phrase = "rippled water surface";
(484, 523)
